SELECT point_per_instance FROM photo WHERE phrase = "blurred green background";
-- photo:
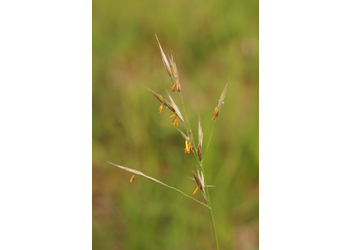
(212, 41)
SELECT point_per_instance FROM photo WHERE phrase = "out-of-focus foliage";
(212, 41)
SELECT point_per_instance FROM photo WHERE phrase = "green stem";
(211, 213)
(207, 190)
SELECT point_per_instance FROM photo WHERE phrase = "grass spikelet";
(163, 101)
(177, 110)
(175, 74)
(221, 101)
(164, 59)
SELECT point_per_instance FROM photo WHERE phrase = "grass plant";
(199, 177)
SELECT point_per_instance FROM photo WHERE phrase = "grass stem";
(211, 215)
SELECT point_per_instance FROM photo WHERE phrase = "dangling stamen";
(175, 121)
(196, 190)
(188, 147)
(175, 86)
(216, 113)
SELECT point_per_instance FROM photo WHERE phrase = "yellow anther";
(195, 191)
(188, 148)
(175, 121)
(216, 113)
(175, 86)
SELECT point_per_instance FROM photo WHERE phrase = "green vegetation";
(210, 41)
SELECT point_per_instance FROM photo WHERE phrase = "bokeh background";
(212, 41)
